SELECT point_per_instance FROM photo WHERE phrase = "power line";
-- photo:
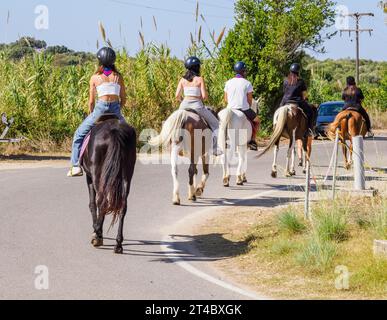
(164, 9)
(208, 4)
(357, 16)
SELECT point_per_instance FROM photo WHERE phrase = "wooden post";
(307, 190)
(358, 163)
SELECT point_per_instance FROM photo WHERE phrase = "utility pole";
(357, 31)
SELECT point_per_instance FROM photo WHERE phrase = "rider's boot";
(75, 171)
(252, 143)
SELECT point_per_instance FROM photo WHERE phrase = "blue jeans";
(100, 108)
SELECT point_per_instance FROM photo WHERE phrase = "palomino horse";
(235, 132)
(108, 162)
(289, 122)
(350, 124)
(190, 137)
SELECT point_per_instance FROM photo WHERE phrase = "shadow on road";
(27, 157)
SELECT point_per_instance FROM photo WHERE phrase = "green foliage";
(268, 35)
(317, 253)
(289, 221)
(331, 222)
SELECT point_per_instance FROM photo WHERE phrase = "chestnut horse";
(350, 124)
(108, 162)
(289, 122)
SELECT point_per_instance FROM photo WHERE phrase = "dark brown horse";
(189, 136)
(108, 162)
(289, 122)
(350, 124)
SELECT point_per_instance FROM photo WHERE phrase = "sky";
(74, 23)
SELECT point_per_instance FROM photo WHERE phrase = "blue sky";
(74, 23)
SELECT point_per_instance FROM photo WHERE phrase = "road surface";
(45, 221)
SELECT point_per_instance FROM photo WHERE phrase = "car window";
(330, 109)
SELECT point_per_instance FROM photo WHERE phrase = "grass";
(281, 256)
(290, 222)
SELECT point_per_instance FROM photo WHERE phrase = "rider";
(295, 91)
(108, 85)
(194, 89)
(238, 94)
(353, 97)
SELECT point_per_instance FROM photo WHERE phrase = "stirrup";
(253, 145)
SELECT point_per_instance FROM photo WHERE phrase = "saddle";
(194, 111)
(85, 143)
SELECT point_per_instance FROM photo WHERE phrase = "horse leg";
(306, 152)
(174, 171)
(344, 147)
(97, 239)
(350, 152)
(226, 170)
(206, 173)
(274, 166)
(92, 204)
(244, 164)
(288, 158)
(192, 171)
(241, 173)
(120, 237)
(301, 155)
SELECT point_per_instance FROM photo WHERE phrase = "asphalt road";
(45, 221)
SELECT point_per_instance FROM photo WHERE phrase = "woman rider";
(194, 89)
(108, 85)
(353, 97)
(295, 91)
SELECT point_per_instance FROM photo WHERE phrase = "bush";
(317, 253)
(331, 223)
(288, 221)
(283, 247)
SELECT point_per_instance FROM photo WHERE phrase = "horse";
(189, 136)
(108, 162)
(289, 122)
(350, 124)
(235, 131)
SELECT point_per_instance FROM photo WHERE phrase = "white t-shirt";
(237, 90)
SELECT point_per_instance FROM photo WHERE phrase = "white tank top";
(108, 88)
(192, 92)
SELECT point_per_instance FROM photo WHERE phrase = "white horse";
(191, 137)
(235, 132)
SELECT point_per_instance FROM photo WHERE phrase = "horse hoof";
(300, 164)
(199, 192)
(304, 171)
(226, 182)
(293, 173)
(244, 179)
(176, 203)
(274, 174)
(193, 198)
(239, 181)
(97, 242)
(118, 250)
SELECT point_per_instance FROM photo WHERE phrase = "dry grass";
(300, 265)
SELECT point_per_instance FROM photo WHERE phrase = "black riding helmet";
(240, 66)
(351, 81)
(192, 62)
(295, 68)
(106, 56)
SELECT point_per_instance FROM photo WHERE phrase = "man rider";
(238, 94)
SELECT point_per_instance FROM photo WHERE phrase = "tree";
(271, 34)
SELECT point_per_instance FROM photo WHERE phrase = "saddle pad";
(84, 146)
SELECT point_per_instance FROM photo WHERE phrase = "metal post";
(307, 190)
(335, 155)
(358, 163)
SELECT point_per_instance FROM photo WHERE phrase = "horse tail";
(113, 187)
(278, 129)
(331, 130)
(170, 129)
(225, 118)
